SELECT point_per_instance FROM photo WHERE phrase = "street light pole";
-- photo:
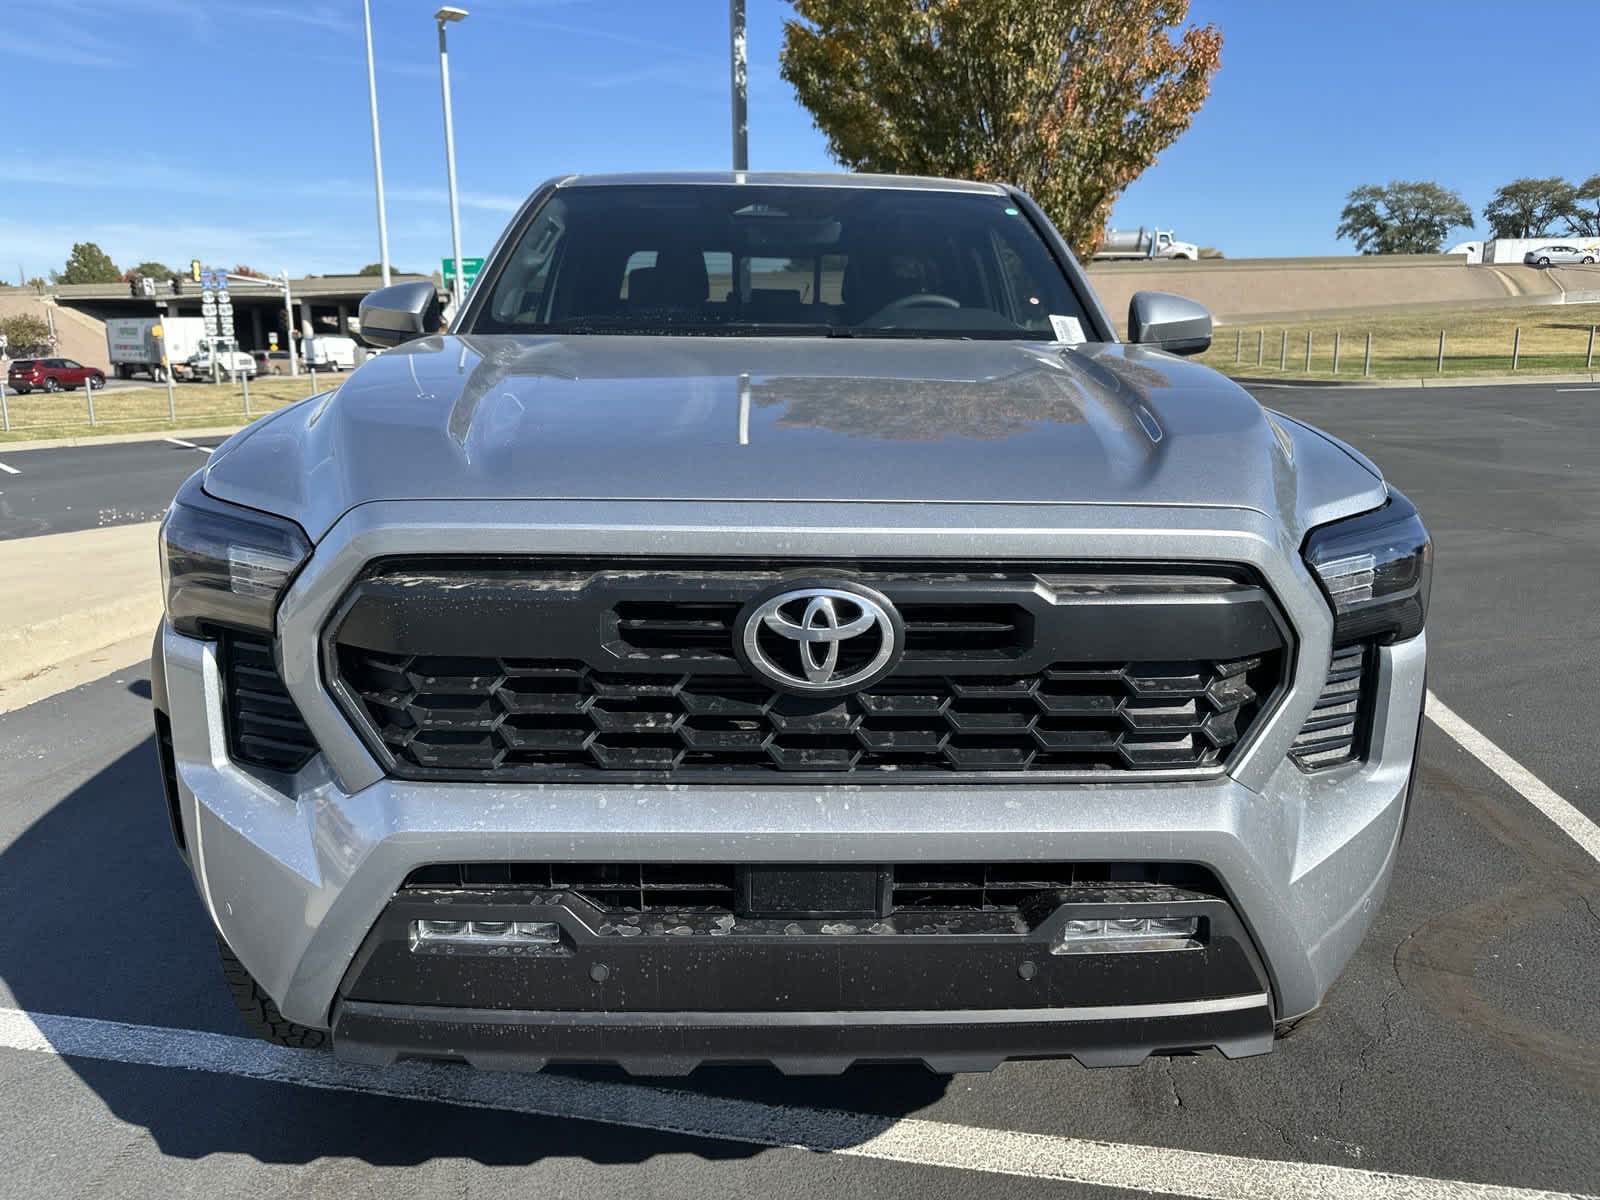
(444, 17)
(377, 149)
(739, 83)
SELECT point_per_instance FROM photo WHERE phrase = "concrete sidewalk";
(75, 602)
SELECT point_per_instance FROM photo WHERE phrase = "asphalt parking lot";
(90, 486)
(1458, 1057)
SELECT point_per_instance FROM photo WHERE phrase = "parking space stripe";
(1524, 782)
(188, 445)
(911, 1141)
(9, 470)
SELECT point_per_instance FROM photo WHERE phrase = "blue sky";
(237, 132)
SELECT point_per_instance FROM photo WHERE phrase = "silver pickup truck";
(780, 620)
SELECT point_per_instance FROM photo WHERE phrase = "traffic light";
(177, 285)
(133, 288)
(194, 269)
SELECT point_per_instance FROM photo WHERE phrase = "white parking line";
(910, 1140)
(1521, 780)
(189, 445)
(1593, 389)
(9, 470)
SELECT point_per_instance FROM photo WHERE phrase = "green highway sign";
(472, 265)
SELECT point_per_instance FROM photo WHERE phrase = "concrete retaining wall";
(81, 337)
(1242, 289)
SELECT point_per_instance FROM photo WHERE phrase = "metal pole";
(1588, 363)
(172, 401)
(1439, 370)
(88, 395)
(1238, 344)
(313, 390)
(1308, 352)
(1261, 339)
(377, 150)
(5, 408)
(244, 384)
(739, 83)
(1516, 346)
(288, 327)
(1335, 351)
(457, 290)
(1366, 358)
(1283, 351)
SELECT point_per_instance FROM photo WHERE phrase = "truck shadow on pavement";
(106, 924)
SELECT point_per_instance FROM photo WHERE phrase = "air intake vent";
(265, 728)
(1333, 733)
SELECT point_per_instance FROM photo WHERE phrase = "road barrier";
(1458, 351)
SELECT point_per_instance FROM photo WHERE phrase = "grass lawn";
(141, 409)
(1555, 340)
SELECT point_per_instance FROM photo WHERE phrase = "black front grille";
(566, 671)
(655, 888)
(265, 728)
(514, 717)
(1335, 732)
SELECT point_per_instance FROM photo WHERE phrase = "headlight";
(225, 565)
(1375, 570)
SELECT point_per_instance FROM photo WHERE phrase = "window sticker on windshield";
(1068, 330)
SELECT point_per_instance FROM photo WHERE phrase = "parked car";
(271, 362)
(52, 375)
(783, 621)
(1558, 254)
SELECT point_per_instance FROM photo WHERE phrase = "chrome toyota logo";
(819, 640)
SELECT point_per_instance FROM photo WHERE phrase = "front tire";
(94, 383)
(1544, 262)
(258, 1010)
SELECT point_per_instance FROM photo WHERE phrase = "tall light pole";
(445, 16)
(377, 150)
(739, 83)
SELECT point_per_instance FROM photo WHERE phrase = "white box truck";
(134, 344)
(329, 353)
(1144, 243)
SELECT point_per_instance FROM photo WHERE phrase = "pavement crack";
(1172, 1081)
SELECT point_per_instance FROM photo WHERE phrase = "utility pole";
(739, 82)
(377, 150)
(288, 327)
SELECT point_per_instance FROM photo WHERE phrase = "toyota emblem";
(823, 639)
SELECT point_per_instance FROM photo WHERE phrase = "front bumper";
(297, 872)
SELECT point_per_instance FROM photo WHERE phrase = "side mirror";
(400, 313)
(1168, 322)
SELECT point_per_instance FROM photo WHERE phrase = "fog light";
(1131, 935)
(485, 933)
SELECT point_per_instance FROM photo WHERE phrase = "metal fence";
(1333, 353)
(81, 408)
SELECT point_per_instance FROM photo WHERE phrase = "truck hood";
(586, 417)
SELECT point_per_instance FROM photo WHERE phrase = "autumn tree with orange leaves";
(1068, 99)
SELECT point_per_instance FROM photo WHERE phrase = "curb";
(115, 439)
(34, 648)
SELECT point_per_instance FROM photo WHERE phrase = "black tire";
(1587, 259)
(258, 1010)
(22, 391)
(52, 385)
(1544, 262)
(95, 383)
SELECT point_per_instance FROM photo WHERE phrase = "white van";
(329, 353)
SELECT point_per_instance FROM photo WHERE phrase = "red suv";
(52, 375)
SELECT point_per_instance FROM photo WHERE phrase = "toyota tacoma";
(779, 619)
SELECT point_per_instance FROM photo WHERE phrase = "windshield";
(742, 260)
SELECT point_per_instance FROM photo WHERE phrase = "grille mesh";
(452, 716)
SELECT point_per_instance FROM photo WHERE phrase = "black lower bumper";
(799, 1043)
(958, 992)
